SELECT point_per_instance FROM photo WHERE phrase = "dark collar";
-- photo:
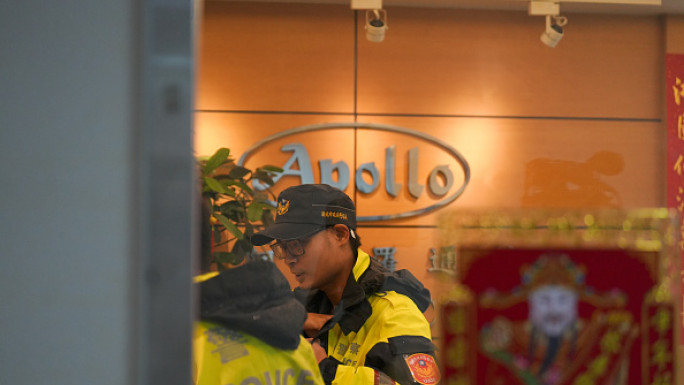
(355, 307)
(352, 311)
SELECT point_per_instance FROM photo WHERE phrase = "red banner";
(674, 69)
(558, 317)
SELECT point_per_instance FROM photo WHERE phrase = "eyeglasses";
(294, 248)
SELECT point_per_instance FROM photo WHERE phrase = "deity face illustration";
(553, 309)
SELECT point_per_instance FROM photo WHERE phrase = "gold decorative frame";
(638, 231)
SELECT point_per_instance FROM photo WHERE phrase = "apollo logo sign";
(370, 178)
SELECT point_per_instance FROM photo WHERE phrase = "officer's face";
(319, 267)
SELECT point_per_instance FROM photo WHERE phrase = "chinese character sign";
(674, 88)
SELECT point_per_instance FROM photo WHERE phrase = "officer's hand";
(319, 352)
(314, 322)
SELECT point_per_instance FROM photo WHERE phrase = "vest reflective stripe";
(227, 357)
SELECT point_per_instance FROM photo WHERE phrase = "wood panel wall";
(579, 125)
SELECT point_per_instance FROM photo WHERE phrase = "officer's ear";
(341, 232)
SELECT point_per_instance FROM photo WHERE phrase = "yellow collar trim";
(206, 276)
(362, 263)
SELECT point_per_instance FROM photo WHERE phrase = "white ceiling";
(667, 6)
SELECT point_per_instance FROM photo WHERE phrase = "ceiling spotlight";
(376, 25)
(554, 30)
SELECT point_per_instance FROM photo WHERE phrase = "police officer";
(369, 322)
(249, 325)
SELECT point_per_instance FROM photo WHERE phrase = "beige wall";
(480, 80)
(674, 34)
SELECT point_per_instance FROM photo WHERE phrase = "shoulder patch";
(423, 368)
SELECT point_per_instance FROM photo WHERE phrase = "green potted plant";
(237, 210)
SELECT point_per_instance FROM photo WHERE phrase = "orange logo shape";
(283, 206)
(423, 368)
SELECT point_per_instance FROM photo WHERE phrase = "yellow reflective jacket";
(250, 330)
(227, 357)
(378, 333)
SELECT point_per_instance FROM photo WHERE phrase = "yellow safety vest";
(227, 357)
(394, 315)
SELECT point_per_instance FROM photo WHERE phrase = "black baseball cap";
(305, 209)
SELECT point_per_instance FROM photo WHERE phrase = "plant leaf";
(238, 210)
(238, 172)
(220, 157)
(267, 217)
(215, 185)
(271, 168)
(230, 226)
(240, 184)
(264, 177)
(230, 208)
(232, 258)
(254, 211)
(242, 247)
